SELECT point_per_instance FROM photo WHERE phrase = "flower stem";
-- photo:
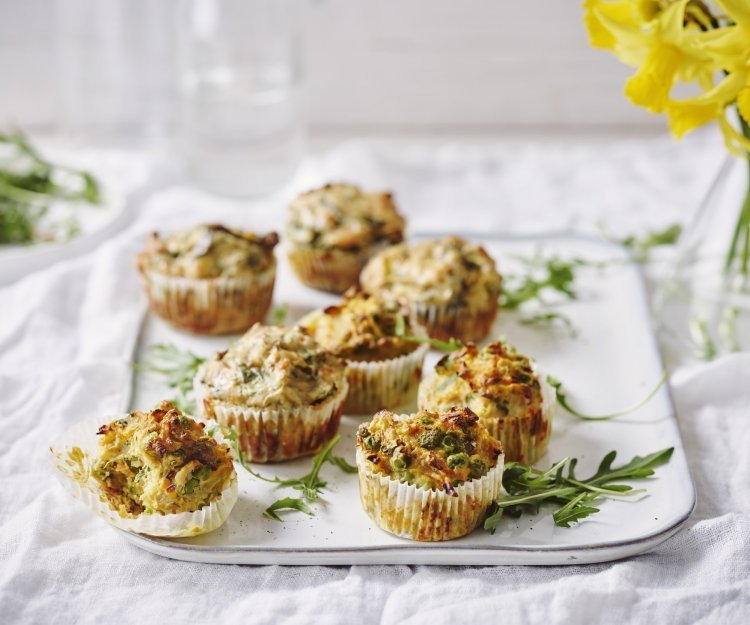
(741, 235)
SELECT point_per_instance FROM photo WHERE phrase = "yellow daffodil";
(681, 40)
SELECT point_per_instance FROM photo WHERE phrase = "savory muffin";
(504, 388)
(156, 473)
(281, 391)
(333, 230)
(210, 279)
(160, 462)
(428, 476)
(451, 284)
(383, 367)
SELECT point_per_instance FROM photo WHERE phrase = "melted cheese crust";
(209, 251)
(272, 366)
(160, 462)
(362, 328)
(494, 381)
(344, 217)
(446, 272)
(433, 450)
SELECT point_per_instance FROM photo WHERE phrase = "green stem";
(742, 229)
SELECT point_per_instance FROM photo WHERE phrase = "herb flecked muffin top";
(160, 462)
(432, 450)
(446, 272)
(364, 328)
(209, 251)
(274, 367)
(342, 216)
(494, 381)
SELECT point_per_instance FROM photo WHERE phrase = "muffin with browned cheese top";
(281, 391)
(428, 476)
(504, 388)
(451, 284)
(333, 230)
(210, 279)
(378, 341)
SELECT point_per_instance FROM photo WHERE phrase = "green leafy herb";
(310, 484)
(528, 488)
(550, 319)
(450, 345)
(562, 399)
(542, 275)
(178, 367)
(279, 314)
(28, 186)
(287, 503)
(642, 246)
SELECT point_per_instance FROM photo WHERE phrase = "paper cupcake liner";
(268, 435)
(73, 470)
(525, 439)
(326, 270)
(210, 305)
(426, 515)
(381, 384)
(462, 323)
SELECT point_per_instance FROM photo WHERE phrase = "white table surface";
(67, 333)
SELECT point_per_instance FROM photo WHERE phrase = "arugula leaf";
(451, 345)
(28, 186)
(342, 464)
(642, 246)
(562, 399)
(528, 488)
(310, 484)
(550, 319)
(287, 503)
(178, 367)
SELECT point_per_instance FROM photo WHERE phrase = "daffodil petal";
(651, 85)
(739, 11)
(743, 104)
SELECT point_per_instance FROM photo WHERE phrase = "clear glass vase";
(702, 305)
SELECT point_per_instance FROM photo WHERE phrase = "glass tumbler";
(241, 127)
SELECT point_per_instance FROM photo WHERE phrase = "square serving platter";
(610, 363)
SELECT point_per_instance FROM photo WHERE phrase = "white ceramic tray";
(610, 364)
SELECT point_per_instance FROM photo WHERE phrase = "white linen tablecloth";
(68, 333)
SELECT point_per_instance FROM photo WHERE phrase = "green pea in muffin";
(210, 279)
(282, 392)
(451, 284)
(429, 476)
(383, 367)
(504, 388)
(158, 472)
(333, 230)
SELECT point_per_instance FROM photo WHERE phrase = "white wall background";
(374, 64)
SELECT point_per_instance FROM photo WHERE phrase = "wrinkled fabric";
(67, 334)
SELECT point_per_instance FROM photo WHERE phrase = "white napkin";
(67, 334)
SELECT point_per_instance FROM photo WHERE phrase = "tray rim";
(446, 553)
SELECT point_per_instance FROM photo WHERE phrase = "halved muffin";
(210, 279)
(333, 230)
(428, 476)
(281, 391)
(504, 388)
(155, 472)
(383, 367)
(451, 284)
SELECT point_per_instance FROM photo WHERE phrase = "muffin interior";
(160, 462)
